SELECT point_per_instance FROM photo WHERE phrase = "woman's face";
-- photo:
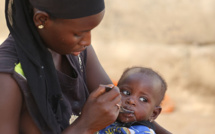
(140, 96)
(69, 36)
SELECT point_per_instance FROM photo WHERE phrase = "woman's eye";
(143, 99)
(125, 92)
(77, 35)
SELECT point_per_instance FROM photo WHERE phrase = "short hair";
(148, 72)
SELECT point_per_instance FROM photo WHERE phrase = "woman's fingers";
(112, 94)
(109, 99)
(106, 92)
(100, 90)
(102, 107)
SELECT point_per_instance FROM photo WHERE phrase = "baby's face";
(140, 95)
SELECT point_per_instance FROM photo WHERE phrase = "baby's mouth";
(124, 110)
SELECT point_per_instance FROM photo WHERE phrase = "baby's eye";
(143, 99)
(126, 92)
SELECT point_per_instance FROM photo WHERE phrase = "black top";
(74, 90)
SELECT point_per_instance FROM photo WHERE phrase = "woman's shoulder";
(8, 47)
(9, 41)
(8, 55)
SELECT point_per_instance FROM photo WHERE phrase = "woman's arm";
(96, 75)
(10, 104)
(159, 129)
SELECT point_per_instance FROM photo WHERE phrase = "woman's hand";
(100, 109)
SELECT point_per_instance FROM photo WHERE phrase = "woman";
(48, 68)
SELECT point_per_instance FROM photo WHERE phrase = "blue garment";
(135, 129)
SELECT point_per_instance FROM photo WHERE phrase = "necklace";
(80, 62)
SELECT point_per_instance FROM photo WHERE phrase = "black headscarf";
(69, 9)
(36, 60)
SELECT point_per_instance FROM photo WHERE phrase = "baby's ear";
(157, 110)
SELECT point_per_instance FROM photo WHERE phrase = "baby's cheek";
(142, 116)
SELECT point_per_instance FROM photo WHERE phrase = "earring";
(151, 120)
(40, 27)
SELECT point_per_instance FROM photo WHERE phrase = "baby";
(142, 91)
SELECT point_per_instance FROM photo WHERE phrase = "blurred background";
(175, 38)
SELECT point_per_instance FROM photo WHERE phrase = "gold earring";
(40, 26)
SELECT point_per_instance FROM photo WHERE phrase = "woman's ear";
(157, 110)
(40, 18)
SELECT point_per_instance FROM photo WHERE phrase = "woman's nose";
(86, 41)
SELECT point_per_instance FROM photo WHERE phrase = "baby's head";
(142, 91)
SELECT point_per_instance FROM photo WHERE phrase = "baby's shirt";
(117, 128)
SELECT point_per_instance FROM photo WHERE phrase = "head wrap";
(36, 60)
(69, 9)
